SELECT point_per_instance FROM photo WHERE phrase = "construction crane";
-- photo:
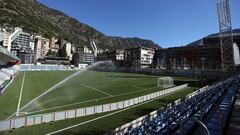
(94, 48)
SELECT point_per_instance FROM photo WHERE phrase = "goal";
(165, 82)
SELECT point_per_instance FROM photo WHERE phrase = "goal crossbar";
(165, 82)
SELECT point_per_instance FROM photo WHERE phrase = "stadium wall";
(207, 74)
(19, 122)
(110, 66)
(45, 67)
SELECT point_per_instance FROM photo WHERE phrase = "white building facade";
(139, 57)
(41, 47)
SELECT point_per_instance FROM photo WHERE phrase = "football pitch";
(50, 91)
(86, 88)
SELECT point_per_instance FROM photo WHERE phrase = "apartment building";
(41, 47)
(139, 57)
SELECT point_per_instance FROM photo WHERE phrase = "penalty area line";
(87, 101)
(96, 89)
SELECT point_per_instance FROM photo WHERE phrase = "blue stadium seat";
(168, 121)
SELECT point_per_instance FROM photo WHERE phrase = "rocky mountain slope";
(37, 18)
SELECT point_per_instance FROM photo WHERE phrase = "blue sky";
(166, 22)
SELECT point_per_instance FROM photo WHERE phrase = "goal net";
(165, 82)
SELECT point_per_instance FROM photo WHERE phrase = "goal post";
(165, 82)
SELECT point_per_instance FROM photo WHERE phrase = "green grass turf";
(100, 126)
(35, 84)
(75, 90)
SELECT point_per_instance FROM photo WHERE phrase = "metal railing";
(23, 121)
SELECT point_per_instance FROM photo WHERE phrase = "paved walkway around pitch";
(234, 124)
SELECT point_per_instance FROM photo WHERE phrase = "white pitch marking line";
(137, 87)
(89, 101)
(96, 90)
(73, 126)
(144, 84)
(55, 132)
(24, 112)
(20, 96)
(47, 91)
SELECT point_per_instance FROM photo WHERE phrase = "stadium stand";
(7, 74)
(234, 124)
(175, 120)
(6, 56)
(9, 67)
(42, 67)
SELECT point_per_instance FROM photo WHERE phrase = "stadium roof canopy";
(6, 56)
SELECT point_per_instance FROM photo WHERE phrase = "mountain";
(37, 18)
(214, 39)
(234, 31)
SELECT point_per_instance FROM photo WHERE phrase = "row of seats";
(170, 120)
(7, 73)
(30, 67)
(220, 118)
(10, 70)
(208, 104)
